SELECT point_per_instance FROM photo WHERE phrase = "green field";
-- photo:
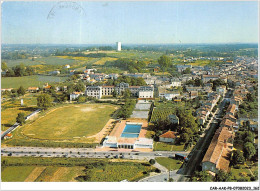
(169, 163)
(160, 146)
(72, 169)
(16, 173)
(70, 122)
(27, 81)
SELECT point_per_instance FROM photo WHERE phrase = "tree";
(82, 99)
(238, 157)
(20, 118)
(80, 87)
(29, 71)
(127, 94)
(187, 71)
(249, 150)
(44, 101)
(184, 137)
(4, 66)
(164, 62)
(222, 176)
(114, 93)
(152, 161)
(19, 70)
(21, 90)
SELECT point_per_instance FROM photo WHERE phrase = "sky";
(129, 22)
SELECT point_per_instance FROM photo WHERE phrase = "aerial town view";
(129, 92)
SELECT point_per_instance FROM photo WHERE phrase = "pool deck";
(119, 128)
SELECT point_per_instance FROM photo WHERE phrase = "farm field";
(149, 55)
(70, 169)
(52, 60)
(27, 81)
(169, 163)
(70, 122)
(163, 110)
(16, 173)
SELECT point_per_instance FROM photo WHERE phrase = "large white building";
(118, 46)
(138, 91)
(94, 91)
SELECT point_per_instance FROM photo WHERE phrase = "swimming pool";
(131, 130)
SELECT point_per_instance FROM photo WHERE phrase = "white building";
(75, 95)
(114, 142)
(94, 91)
(145, 92)
(118, 46)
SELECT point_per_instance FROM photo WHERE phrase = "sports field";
(70, 122)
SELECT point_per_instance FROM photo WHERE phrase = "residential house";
(33, 89)
(168, 137)
(174, 119)
(75, 95)
(218, 154)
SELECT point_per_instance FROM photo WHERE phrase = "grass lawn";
(240, 173)
(27, 81)
(169, 163)
(160, 146)
(68, 122)
(16, 173)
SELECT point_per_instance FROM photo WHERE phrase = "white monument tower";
(118, 46)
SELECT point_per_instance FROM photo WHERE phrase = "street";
(82, 153)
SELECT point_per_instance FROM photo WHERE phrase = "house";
(168, 137)
(193, 94)
(33, 89)
(8, 136)
(107, 90)
(46, 87)
(67, 66)
(221, 90)
(145, 92)
(175, 83)
(206, 78)
(56, 72)
(75, 95)
(230, 117)
(169, 95)
(173, 119)
(231, 109)
(218, 154)
(8, 89)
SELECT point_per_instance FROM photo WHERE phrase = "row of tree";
(18, 71)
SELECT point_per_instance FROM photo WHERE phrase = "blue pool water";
(131, 131)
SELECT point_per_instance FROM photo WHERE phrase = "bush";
(157, 170)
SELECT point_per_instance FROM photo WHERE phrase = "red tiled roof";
(169, 134)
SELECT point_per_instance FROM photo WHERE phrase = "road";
(82, 153)
(197, 154)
